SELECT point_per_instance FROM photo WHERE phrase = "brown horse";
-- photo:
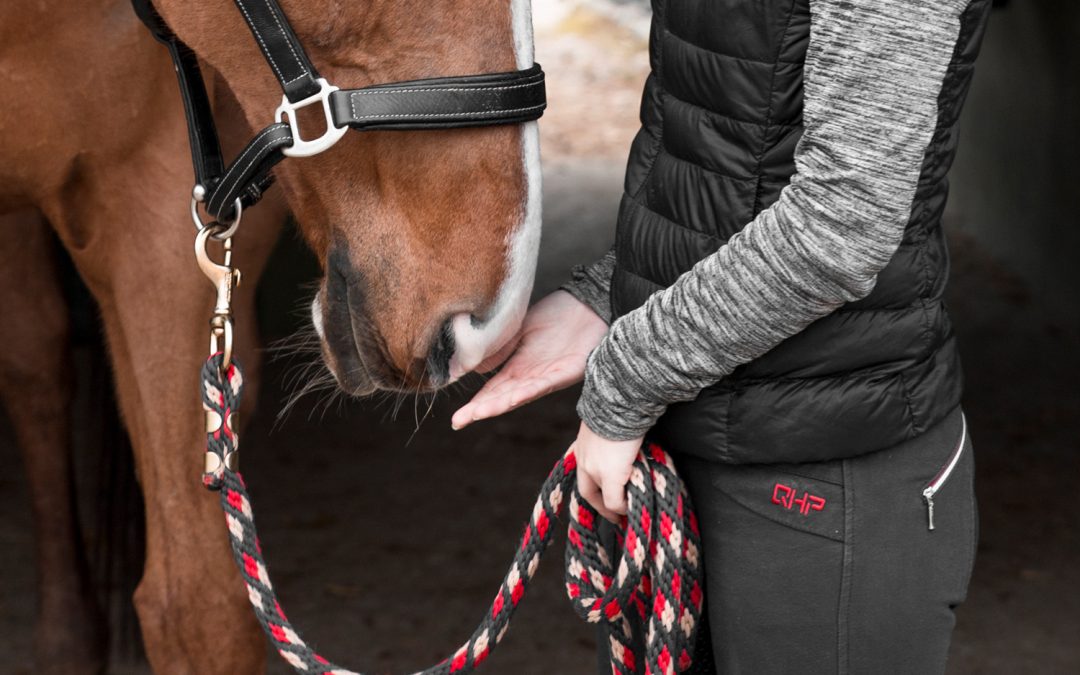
(420, 234)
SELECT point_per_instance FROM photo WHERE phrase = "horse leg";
(36, 390)
(127, 230)
(192, 605)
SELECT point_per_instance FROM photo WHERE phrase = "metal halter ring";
(302, 147)
(198, 194)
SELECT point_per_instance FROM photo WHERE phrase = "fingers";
(504, 394)
(466, 414)
(603, 469)
(495, 388)
(614, 496)
(499, 395)
(590, 491)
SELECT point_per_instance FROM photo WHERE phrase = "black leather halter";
(438, 103)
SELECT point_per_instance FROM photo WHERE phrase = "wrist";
(610, 422)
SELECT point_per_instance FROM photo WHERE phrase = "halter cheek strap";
(202, 132)
(434, 103)
(282, 50)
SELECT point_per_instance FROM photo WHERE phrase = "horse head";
(427, 239)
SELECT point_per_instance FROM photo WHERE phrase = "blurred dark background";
(387, 533)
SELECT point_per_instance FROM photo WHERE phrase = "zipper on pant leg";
(943, 475)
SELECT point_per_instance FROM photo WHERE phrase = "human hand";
(548, 354)
(603, 469)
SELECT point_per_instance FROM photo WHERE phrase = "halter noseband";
(435, 103)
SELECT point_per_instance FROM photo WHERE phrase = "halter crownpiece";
(434, 103)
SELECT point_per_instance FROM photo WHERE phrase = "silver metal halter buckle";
(306, 148)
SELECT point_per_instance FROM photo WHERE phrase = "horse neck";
(82, 78)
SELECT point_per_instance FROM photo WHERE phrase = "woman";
(776, 323)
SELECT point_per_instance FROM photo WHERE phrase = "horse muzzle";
(355, 350)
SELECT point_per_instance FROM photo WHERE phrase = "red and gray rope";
(651, 597)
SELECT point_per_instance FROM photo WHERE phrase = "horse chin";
(351, 380)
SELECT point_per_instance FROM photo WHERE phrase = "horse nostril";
(442, 349)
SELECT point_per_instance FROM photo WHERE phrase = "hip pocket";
(794, 499)
(944, 473)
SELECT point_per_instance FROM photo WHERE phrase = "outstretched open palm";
(547, 354)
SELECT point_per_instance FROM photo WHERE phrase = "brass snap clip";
(224, 278)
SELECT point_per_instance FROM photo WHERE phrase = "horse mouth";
(443, 343)
(358, 361)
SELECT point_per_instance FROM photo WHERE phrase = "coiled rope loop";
(651, 599)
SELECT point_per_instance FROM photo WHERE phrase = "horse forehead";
(402, 23)
(450, 38)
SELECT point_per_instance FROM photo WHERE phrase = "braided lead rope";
(656, 584)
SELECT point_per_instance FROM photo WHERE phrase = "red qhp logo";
(784, 495)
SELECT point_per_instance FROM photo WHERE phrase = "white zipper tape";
(943, 475)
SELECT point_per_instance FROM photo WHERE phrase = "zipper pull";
(928, 495)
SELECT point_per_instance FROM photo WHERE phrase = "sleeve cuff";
(591, 285)
(605, 408)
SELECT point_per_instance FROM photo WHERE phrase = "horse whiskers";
(399, 395)
(416, 399)
(302, 342)
(380, 397)
(320, 382)
(312, 372)
(307, 372)
(311, 376)
(430, 406)
(335, 394)
(314, 385)
(333, 389)
(338, 396)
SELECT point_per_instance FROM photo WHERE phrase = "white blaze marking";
(473, 343)
(521, 16)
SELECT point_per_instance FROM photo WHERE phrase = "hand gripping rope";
(651, 600)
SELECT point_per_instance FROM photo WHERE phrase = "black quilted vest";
(721, 114)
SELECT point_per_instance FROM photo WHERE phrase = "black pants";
(832, 567)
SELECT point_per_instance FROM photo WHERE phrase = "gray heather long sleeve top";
(873, 72)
